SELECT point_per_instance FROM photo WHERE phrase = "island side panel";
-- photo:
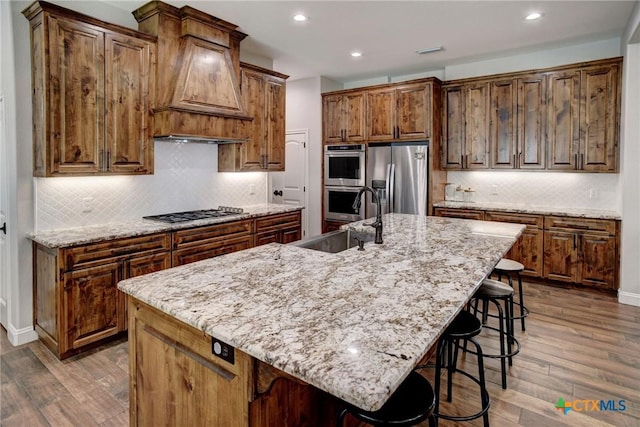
(175, 379)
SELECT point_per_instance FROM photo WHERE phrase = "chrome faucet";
(378, 223)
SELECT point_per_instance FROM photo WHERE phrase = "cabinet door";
(599, 119)
(332, 116)
(503, 136)
(90, 305)
(528, 251)
(477, 127)
(381, 105)
(211, 249)
(253, 95)
(129, 143)
(354, 117)
(413, 117)
(598, 260)
(454, 128)
(274, 123)
(560, 255)
(77, 97)
(563, 121)
(531, 119)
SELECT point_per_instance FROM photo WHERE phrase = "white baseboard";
(21, 336)
(629, 298)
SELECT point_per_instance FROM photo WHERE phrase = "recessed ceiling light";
(300, 17)
(356, 54)
(533, 16)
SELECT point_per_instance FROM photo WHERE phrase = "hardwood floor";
(579, 345)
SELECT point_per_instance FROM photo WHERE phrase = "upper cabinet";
(565, 118)
(263, 94)
(466, 126)
(344, 117)
(91, 95)
(401, 112)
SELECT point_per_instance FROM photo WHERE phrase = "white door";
(4, 191)
(289, 187)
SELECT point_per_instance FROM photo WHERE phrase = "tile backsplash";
(185, 178)
(553, 189)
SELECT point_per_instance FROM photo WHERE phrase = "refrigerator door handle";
(391, 185)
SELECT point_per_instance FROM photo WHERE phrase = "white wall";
(630, 173)
(304, 111)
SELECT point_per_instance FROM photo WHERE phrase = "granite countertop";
(532, 209)
(60, 238)
(353, 323)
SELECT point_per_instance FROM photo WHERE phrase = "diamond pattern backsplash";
(186, 178)
(552, 189)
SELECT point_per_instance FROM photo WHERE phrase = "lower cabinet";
(567, 249)
(282, 228)
(332, 225)
(77, 304)
(581, 251)
(76, 300)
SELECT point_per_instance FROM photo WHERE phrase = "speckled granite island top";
(533, 209)
(354, 323)
(82, 235)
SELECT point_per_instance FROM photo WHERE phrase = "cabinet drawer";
(112, 250)
(277, 222)
(202, 251)
(460, 213)
(199, 235)
(531, 221)
(591, 225)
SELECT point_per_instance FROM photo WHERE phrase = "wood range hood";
(197, 92)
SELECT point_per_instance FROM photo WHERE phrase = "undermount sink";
(334, 241)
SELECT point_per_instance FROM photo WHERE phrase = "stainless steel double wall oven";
(344, 174)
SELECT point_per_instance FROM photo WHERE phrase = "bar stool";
(496, 292)
(507, 267)
(464, 327)
(412, 403)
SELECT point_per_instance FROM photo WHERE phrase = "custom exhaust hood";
(196, 83)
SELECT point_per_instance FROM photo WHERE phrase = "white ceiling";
(389, 32)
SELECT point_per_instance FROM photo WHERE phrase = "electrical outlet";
(252, 189)
(494, 189)
(593, 193)
(87, 204)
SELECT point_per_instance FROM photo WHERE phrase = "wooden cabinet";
(564, 118)
(528, 250)
(517, 123)
(466, 126)
(460, 213)
(195, 244)
(263, 93)
(282, 228)
(176, 379)
(584, 251)
(91, 95)
(76, 300)
(344, 117)
(402, 112)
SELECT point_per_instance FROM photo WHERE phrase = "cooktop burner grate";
(174, 217)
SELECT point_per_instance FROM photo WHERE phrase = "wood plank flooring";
(579, 345)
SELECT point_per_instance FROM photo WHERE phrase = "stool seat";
(494, 289)
(508, 265)
(465, 325)
(412, 403)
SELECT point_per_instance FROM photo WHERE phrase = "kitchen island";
(349, 325)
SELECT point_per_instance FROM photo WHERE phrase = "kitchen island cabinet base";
(176, 379)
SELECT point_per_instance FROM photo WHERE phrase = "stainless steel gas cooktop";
(222, 211)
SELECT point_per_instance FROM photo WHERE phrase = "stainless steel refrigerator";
(399, 174)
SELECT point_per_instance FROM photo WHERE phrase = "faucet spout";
(378, 223)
